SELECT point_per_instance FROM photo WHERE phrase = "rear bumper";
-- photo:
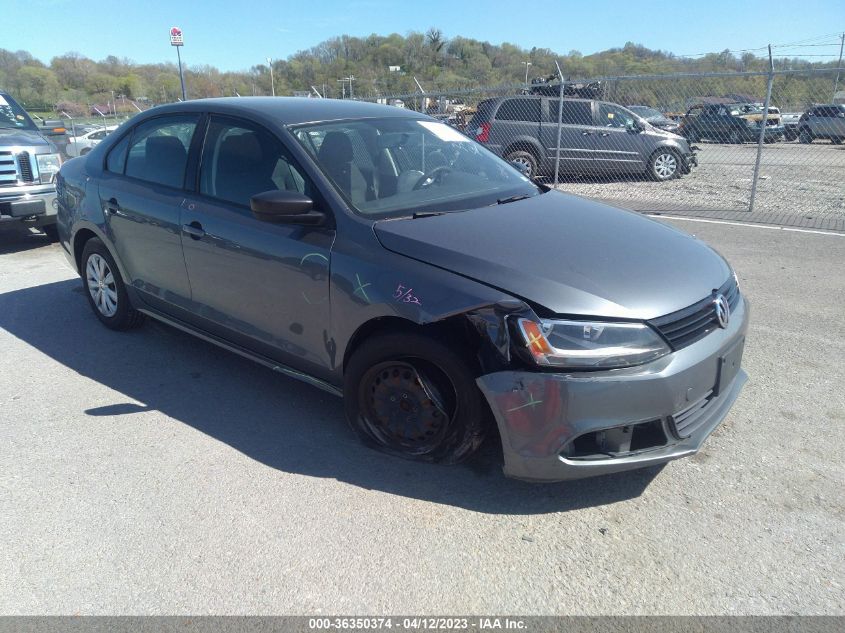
(540, 415)
(35, 207)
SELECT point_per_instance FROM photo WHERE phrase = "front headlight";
(48, 167)
(591, 344)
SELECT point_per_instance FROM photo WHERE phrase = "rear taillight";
(482, 133)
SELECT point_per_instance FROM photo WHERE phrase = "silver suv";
(823, 121)
(28, 167)
(597, 137)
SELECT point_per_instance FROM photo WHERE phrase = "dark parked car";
(383, 256)
(730, 123)
(655, 118)
(596, 138)
(823, 121)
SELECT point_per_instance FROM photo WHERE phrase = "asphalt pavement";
(152, 473)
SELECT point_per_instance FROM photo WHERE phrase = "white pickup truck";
(29, 163)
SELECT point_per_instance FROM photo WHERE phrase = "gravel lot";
(151, 473)
(794, 179)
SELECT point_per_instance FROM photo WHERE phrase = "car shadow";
(270, 418)
(17, 239)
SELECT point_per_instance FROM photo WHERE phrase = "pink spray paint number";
(403, 295)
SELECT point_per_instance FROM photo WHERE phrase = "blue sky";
(235, 35)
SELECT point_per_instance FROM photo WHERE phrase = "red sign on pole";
(176, 36)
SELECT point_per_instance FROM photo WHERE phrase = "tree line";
(74, 83)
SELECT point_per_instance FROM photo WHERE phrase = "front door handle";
(112, 207)
(605, 134)
(586, 133)
(194, 229)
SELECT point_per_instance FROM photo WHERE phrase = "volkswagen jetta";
(385, 257)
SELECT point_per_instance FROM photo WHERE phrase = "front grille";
(8, 172)
(688, 325)
(687, 421)
(25, 167)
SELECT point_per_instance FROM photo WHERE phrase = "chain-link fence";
(668, 142)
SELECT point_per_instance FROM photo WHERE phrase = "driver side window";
(614, 116)
(240, 160)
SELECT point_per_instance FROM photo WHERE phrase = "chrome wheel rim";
(525, 163)
(101, 285)
(665, 166)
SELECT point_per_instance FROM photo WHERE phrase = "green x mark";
(360, 288)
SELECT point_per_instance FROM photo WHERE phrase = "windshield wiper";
(521, 196)
(427, 214)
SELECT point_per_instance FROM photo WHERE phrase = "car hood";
(568, 254)
(13, 136)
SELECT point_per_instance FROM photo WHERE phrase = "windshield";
(13, 116)
(646, 113)
(395, 167)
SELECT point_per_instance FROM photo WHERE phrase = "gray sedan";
(383, 256)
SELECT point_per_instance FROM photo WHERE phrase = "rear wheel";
(805, 136)
(664, 164)
(105, 289)
(525, 160)
(414, 397)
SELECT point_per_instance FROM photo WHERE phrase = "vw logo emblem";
(723, 310)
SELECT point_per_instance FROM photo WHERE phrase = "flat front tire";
(104, 288)
(414, 397)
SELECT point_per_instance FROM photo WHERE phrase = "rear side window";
(519, 110)
(159, 150)
(574, 112)
(117, 156)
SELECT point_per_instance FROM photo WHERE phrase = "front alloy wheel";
(664, 165)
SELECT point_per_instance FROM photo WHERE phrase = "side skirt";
(240, 351)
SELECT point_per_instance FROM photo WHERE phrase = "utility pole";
(838, 65)
(342, 88)
(527, 64)
(272, 81)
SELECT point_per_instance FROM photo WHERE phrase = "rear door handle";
(605, 134)
(587, 133)
(194, 229)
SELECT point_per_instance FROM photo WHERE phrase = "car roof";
(290, 110)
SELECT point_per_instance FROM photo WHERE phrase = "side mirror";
(285, 207)
(524, 169)
(632, 125)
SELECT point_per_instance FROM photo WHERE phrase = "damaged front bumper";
(559, 426)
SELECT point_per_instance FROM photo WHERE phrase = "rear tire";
(104, 288)
(524, 158)
(414, 397)
(805, 136)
